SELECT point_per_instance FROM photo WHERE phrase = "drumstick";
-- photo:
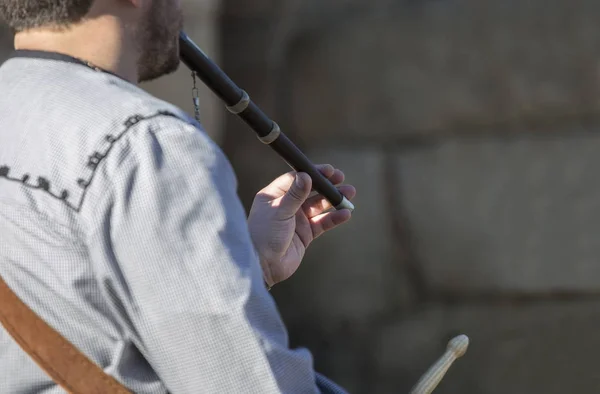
(457, 347)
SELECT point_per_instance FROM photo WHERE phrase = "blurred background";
(470, 129)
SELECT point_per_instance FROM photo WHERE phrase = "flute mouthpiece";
(457, 347)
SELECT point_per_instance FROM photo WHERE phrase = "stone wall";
(470, 130)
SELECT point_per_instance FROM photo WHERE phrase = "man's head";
(152, 26)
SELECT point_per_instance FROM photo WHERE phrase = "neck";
(103, 42)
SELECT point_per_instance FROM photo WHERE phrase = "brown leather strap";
(62, 361)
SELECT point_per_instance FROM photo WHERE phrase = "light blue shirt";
(120, 225)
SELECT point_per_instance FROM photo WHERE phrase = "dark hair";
(28, 14)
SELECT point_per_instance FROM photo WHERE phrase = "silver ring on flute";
(272, 136)
(241, 105)
(345, 204)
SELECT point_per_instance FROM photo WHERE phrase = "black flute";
(239, 103)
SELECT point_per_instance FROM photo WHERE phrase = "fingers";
(318, 204)
(291, 191)
(304, 229)
(278, 187)
(291, 202)
(309, 229)
(328, 221)
(281, 185)
(335, 176)
(326, 169)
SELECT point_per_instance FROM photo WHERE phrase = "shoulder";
(136, 133)
(91, 130)
(162, 135)
(159, 153)
(138, 120)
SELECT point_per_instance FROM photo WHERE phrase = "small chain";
(196, 98)
(93, 67)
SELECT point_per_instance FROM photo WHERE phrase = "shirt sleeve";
(183, 271)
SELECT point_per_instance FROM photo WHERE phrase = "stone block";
(399, 68)
(517, 214)
(548, 348)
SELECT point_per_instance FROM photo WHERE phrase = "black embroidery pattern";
(93, 162)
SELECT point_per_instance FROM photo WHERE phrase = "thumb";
(296, 195)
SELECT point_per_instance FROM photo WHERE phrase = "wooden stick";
(457, 347)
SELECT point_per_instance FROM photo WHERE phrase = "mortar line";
(404, 258)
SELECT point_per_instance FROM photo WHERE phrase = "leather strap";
(62, 361)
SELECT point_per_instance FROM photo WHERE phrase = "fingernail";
(299, 181)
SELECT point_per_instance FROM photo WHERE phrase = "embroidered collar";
(37, 54)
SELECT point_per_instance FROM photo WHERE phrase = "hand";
(283, 220)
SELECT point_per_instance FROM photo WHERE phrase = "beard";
(158, 40)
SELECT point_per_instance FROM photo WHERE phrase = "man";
(119, 220)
